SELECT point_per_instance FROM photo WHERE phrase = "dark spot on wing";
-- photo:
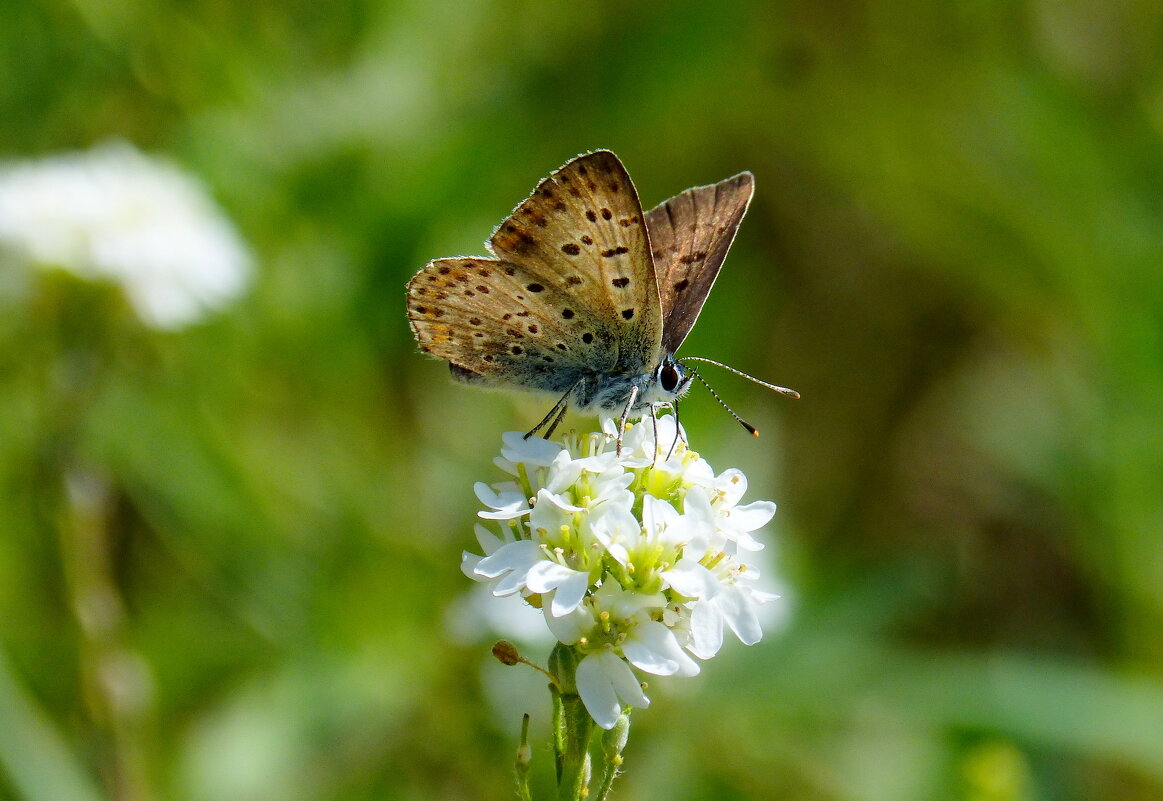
(573, 280)
(468, 293)
(474, 321)
(523, 313)
(483, 272)
(516, 350)
(489, 357)
(506, 317)
(693, 257)
(444, 269)
(561, 346)
(591, 216)
(420, 309)
(621, 283)
(618, 251)
(513, 332)
(571, 248)
(607, 214)
(533, 329)
(484, 290)
(567, 314)
(509, 270)
(627, 313)
(681, 285)
(537, 217)
(534, 287)
(587, 337)
(585, 240)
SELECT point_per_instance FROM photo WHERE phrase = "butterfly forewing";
(507, 325)
(690, 235)
(581, 234)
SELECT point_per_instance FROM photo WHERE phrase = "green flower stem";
(613, 743)
(524, 758)
(573, 728)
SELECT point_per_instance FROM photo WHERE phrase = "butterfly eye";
(669, 377)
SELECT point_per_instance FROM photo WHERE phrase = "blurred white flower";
(631, 558)
(115, 214)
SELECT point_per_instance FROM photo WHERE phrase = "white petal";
(563, 473)
(733, 484)
(488, 540)
(546, 575)
(506, 505)
(617, 529)
(625, 683)
(468, 565)
(519, 555)
(602, 679)
(706, 630)
(533, 451)
(653, 648)
(691, 579)
(751, 516)
(744, 540)
(571, 627)
(597, 691)
(570, 593)
(740, 615)
(559, 502)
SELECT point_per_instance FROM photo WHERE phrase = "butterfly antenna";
(752, 429)
(791, 393)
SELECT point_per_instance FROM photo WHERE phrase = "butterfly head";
(671, 381)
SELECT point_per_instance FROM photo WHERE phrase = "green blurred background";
(955, 254)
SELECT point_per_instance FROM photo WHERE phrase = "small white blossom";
(631, 557)
(114, 214)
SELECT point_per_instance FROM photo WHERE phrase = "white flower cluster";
(631, 557)
(115, 214)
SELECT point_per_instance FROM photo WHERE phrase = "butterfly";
(585, 296)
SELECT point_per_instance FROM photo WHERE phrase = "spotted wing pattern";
(581, 236)
(690, 235)
(502, 324)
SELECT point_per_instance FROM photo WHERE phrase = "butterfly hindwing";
(504, 325)
(582, 234)
(690, 235)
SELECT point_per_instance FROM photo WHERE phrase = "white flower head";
(631, 556)
(115, 214)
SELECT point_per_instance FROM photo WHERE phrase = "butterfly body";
(597, 393)
(585, 297)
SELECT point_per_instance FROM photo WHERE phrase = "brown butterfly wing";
(581, 234)
(501, 324)
(690, 235)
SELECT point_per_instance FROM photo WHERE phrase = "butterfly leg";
(625, 415)
(556, 421)
(674, 443)
(555, 414)
(654, 423)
